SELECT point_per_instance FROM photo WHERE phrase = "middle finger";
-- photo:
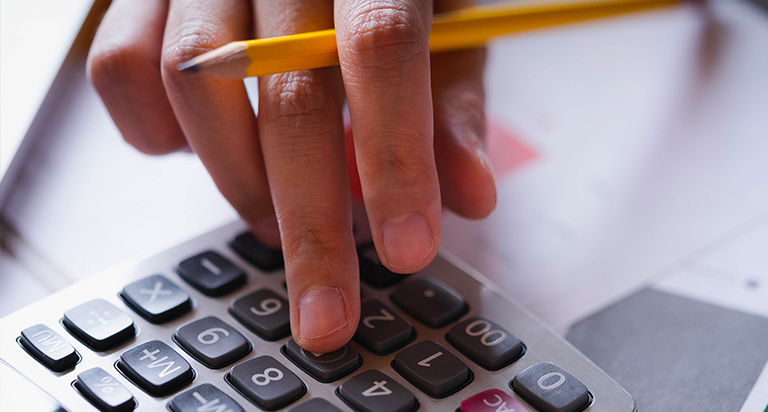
(301, 131)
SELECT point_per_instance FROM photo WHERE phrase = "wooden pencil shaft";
(451, 31)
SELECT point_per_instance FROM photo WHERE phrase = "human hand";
(417, 121)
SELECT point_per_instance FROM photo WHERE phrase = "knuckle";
(399, 165)
(383, 34)
(191, 39)
(314, 240)
(297, 99)
(113, 65)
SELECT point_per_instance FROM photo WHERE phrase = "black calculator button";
(485, 342)
(211, 273)
(156, 298)
(373, 391)
(326, 367)
(258, 254)
(49, 348)
(432, 302)
(104, 391)
(550, 389)
(99, 324)
(372, 271)
(315, 405)
(205, 397)
(432, 368)
(381, 329)
(264, 312)
(266, 382)
(156, 368)
(212, 342)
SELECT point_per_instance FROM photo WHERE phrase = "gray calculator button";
(264, 312)
(49, 348)
(373, 391)
(381, 329)
(372, 271)
(99, 324)
(266, 382)
(550, 389)
(432, 302)
(104, 391)
(432, 368)
(258, 254)
(212, 342)
(156, 368)
(211, 273)
(204, 398)
(325, 367)
(315, 405)
(485, 342)
(156, 298)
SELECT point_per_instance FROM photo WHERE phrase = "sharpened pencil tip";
(189, 66)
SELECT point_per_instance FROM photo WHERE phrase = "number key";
(373, 391)
(264, 312)
(432, 368)
(266, 382)
(382, 330)
(485, 342)
(212, 342)
(550, 389)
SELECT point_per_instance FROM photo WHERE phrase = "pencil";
(462, 29)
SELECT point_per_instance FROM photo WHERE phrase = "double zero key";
(485, 342)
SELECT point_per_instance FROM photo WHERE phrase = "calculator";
(204, 327)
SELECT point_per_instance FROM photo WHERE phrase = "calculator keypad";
(156, 298)
(156, 368)
(432, 368)
(49, 348)
(431, 301)
(205, 397)
(550, 389)
(325, 367)
(396, 374)
(381, 329)
(212, 342)
(104, 391)
(211, 273)
(485, 342)
(373, 391)
(99, 324)
(265, 313)
(266, 382)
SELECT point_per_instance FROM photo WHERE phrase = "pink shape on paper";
(492, 400)
(505, 151)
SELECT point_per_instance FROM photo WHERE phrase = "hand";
(290, 162)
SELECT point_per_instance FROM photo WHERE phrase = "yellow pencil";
(461, 29)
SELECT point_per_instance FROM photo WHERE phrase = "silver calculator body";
(483, 300)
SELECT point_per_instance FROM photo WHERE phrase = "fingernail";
(321, 312)
(268, 231)
(407, 240)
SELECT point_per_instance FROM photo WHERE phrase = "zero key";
(550, 389)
